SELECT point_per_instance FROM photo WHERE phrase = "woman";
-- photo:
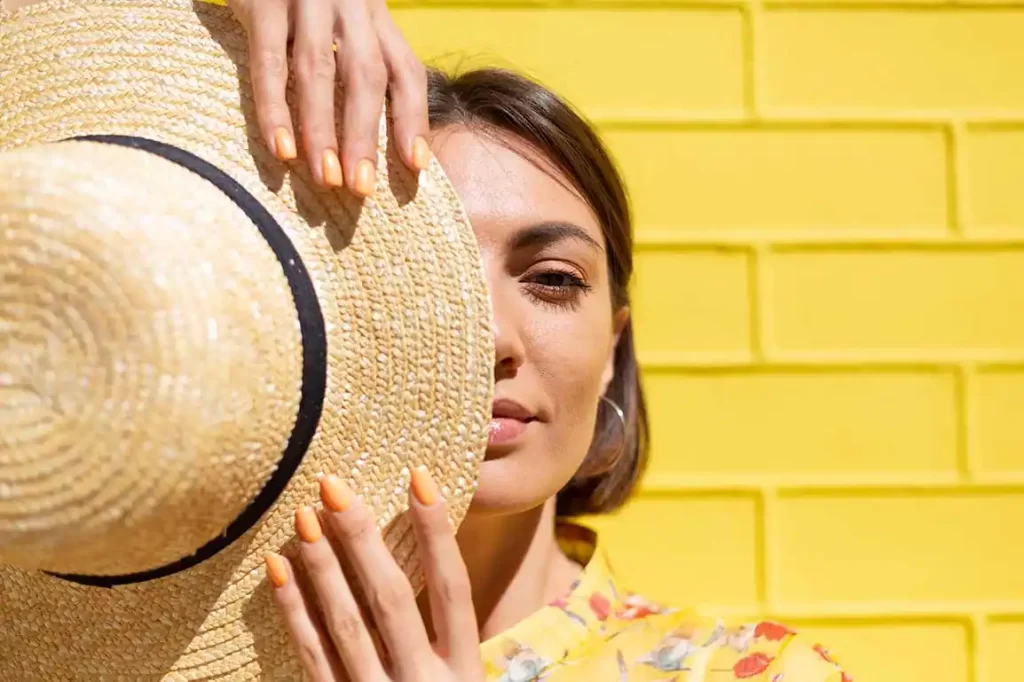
(569, 432)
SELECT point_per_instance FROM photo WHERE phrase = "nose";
(509, 347)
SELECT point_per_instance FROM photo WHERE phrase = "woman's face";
(546, 267)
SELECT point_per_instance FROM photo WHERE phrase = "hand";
(339, 641)
(372, 55)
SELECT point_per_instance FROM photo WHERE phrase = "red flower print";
(847, 678)
(635, 607)
(754, 664)
(773, 632)
(823, 652)
(560, 603)
(600, 605)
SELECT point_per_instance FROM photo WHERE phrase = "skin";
(372, 57)
(555, 337)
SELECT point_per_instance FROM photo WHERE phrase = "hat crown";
(152, 360)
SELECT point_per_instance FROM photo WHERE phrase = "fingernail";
(336, 495)
(332, 168)
(423, 486)
(307, 525)
(420, 153)
(365, 178)
(284, 144)
(277, 569)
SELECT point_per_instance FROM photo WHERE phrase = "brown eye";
(558, 288)
(558, 279)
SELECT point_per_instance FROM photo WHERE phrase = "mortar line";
(750, 40)
(978, 642)
(766, 544)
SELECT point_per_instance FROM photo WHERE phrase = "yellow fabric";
(600, 631)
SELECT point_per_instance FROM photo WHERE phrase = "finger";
(315, 70)
(364, 78)
(300, 621)
(339, 610)
(268, 44)
(242, 9)
(448, 587)
(408, 82)
(389, 594)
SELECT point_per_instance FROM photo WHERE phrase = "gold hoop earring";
(599, 462)
(622, 421)
(618, 412)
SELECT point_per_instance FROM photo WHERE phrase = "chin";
(513, 483)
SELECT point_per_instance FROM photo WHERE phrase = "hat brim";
(404, 301)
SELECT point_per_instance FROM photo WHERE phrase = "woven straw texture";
(150, 355)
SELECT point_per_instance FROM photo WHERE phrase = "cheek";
(570, 353)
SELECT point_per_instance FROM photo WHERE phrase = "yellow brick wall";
(830, 302)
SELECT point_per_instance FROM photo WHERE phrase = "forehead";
(504, 184)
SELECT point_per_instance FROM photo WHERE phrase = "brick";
(783, 178)
(1005, 645)
(903, 548)
(717, 555)
(802, 422)
(580, 54)
(999, 430)
(692, 301)
(891, 59)
(896, 300)
(895, 651)
(994, 175)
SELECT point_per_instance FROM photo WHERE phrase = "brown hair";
(511, 103)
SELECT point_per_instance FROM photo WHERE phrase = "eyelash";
(562, 296)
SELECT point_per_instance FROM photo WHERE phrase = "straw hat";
(190, 333)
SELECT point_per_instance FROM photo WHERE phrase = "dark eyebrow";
(543, 234)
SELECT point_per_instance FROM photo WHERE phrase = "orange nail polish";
(336, 495)
(420, 154)
(423, 487)
(277, 569)
(332, 168)
(307, 525)
(284, 144)
(365, 180)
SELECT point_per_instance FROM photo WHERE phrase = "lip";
(509, 420)
(510, 409)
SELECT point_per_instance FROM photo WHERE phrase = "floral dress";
(600, 632)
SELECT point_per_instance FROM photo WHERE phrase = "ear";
(618, 324)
